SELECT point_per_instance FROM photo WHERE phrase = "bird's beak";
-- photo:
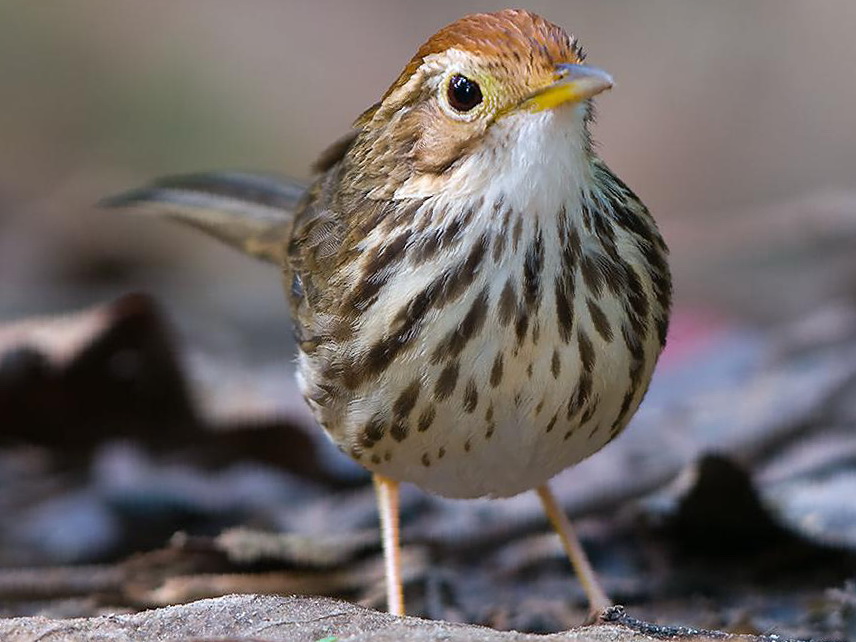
(573, 84)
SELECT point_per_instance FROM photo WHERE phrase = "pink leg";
(598, 601)
(387, 503)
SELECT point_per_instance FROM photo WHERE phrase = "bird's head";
(484, 89)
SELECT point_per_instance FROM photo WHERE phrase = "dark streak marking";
(625, 408)
(636, 374)
(456, 340)
(585, 388)
(533, 263)
(399, 430)
(659, 272)
(589, 412)
(426, 247)
(521, 325)
(633, 343)
(451, 231)
(471, 396)
(636, 294)
(426, 418)
(552, 423)
(623, 214)
(605, 234)
(580, 395)
(498, 247)
(592, 275)
(383, 255)
(372, 432)
(614, 274)
(575, 245)
(496, 370)
(587, 216)
(447, 381)
(453, 283)
(564, 308)
(407, 399)
(375, 273)
(444, 289)
(595, 429)
(586, 351)
(507, 303)
(598, 318)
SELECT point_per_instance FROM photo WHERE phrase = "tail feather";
(250, 212)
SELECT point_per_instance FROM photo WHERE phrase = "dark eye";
(464, 94)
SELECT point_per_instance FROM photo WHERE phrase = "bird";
(478, 301)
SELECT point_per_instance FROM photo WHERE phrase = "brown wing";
(315, 251)
(250, 212)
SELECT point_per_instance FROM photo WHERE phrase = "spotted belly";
(503, 406)
(488, 367)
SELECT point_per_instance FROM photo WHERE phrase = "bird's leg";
(598, 601)
(387, 504)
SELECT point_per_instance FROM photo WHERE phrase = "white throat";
(534, 161)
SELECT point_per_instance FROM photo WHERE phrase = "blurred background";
(736, 124)
(721, 110)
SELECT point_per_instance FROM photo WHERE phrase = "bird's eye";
(464, 94)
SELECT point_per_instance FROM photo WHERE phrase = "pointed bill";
(574, 84)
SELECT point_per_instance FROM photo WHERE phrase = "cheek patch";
(442, 141)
